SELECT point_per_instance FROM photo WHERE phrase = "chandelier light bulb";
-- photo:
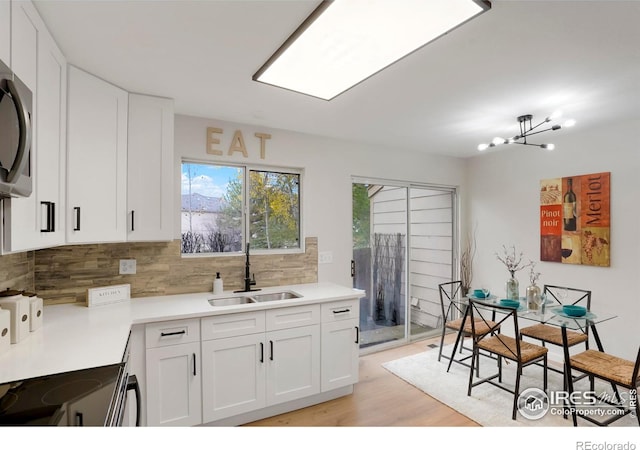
(483, 147)
(548, 146)
(569, 123)
(498, 140)
(555, 115)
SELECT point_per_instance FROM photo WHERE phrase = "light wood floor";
(379, 399)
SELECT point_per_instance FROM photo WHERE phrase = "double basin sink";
(253, 298)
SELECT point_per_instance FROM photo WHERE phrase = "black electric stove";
(88, 397)
(82, 397)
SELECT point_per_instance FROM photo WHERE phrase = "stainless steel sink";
(227, 301)
(272, 296)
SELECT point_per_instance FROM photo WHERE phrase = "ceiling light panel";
(345, 42)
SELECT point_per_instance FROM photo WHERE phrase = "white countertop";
(75, 337)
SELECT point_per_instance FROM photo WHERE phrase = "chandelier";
(527, 129)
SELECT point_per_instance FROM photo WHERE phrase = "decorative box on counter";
(5, 329)
(18, 306)
(35, 310)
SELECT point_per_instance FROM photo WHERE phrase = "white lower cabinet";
(340, 344)
(293, 366)
(209, 369)
(174, 396)
(233, 376)
(278, 361)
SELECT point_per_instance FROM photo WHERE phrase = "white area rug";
(487, 405)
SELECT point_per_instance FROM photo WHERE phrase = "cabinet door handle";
(52, 217)
(133, 220)
(357, 335)
(76, 227)
(340, 311)
(261, 352)
(173, 333)
(47, 220)
(194, 364)
(271, 349)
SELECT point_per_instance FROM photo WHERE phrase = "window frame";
(245, 232)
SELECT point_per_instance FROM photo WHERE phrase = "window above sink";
(215, 197)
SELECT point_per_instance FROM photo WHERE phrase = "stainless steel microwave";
(16, 110)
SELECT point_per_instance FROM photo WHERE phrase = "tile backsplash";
(16, 271)
(63, 274)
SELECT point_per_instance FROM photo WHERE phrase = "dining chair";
(552, 334)
(454, 318)
(612, 369)
(504, 347)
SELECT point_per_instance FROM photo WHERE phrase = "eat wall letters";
(237, 144)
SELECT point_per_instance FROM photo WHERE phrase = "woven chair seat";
(505, 346)
(482, 327)
(552, 334)
(605, 366)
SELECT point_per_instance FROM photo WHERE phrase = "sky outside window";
(208, 180)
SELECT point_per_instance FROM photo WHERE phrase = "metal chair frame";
(478, 309)
(551, 290)
(447, 314)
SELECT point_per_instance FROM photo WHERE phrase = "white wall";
(503, 202)
(328, 167)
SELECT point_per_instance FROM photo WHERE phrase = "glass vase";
(533, 297)
(513, 289)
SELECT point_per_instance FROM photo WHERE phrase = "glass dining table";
(550, 313)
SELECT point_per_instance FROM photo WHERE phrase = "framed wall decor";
(575, 219)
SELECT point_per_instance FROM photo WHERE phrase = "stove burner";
(7, 401)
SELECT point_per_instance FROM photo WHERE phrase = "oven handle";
(132, 384)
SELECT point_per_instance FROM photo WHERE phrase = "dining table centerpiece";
(533, 293)
(513, 262)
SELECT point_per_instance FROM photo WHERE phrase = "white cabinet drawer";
(229, 325)
(161, 334)
(293, 316)
(341, 310)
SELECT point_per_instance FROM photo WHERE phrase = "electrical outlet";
(325, 257)
(127, 267)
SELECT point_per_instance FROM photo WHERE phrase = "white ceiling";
(521, 57)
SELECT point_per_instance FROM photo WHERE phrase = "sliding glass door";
(403, 244)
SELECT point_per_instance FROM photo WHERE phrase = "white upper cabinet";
(37, 221)
(24, 42)
(51, 138)
(96, 160)
(5, 31)
(101, 159)
(150, 169)
(20, 213)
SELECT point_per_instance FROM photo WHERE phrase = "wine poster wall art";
(575, 219)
